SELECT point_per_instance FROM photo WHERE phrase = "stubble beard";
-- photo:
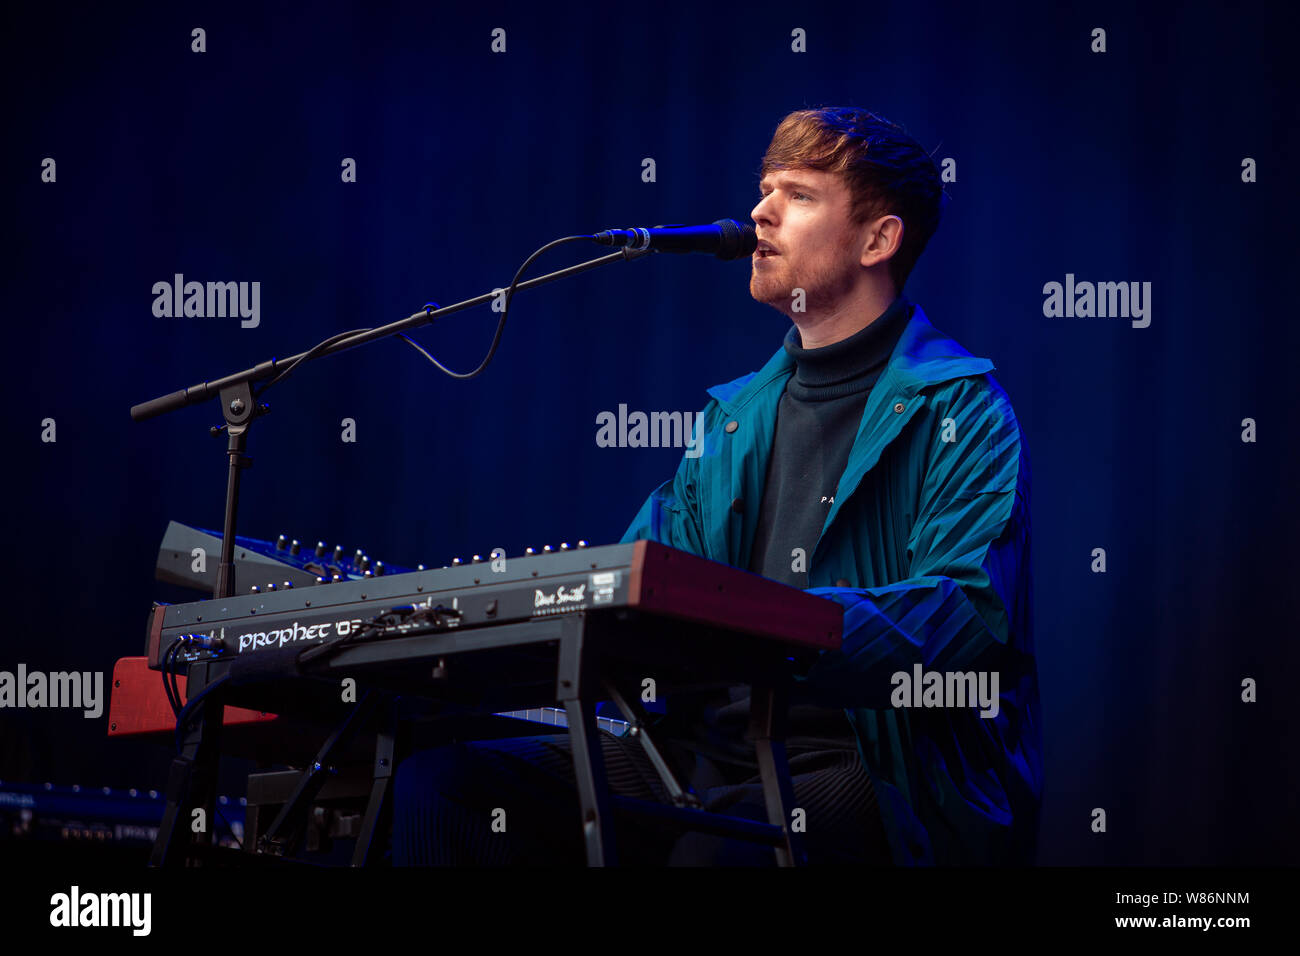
(824, 288)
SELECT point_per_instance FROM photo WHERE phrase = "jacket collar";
(924, 356)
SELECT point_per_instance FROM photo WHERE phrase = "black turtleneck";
(816, 425)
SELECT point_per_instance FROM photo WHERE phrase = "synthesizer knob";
(530, 551)
(254, 590)
(320, 549)
(365, 562)
(368, 574)
(546, 549)
(271, 586)
(419, 567)
(287, 584)
(319, 579)
(281, 543)
(295, 547)
(337, 578)
(582, 544)
(357, 558)
(338, 553)
(379, 568)
(564, 546)
(456, 562)
(478, 559)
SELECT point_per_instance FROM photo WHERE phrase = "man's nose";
(762, 212)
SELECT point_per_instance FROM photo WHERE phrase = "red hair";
(886, 170)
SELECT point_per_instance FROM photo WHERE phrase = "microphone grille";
(738, 239)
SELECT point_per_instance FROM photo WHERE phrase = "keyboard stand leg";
(379, 804)
(768, 711)
(281, 838)
(631, 709)
(584, 738)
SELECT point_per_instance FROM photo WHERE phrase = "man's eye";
(799, 195)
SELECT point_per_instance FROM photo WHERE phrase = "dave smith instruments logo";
(561, 599)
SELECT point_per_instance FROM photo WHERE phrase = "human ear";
(884, 239)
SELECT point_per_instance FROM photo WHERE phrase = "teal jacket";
(926, 547)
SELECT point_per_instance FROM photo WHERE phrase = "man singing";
(876, 462)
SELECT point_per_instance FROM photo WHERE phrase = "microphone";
(726, 239)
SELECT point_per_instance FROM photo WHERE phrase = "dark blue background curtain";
(1121, 166)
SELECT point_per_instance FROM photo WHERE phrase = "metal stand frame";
(577, 688)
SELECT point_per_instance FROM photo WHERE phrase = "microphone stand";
(239, 409)
(191, 781)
